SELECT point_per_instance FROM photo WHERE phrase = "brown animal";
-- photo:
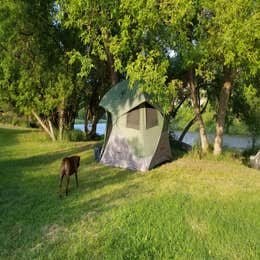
(69, 166)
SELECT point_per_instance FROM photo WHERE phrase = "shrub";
(11, 118)
(75, 135)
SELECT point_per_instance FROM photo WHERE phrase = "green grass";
(187, 209)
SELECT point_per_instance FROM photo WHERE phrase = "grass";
(187, 209)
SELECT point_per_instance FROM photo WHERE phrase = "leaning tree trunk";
(196, 105)
(47, 128)
(222, 110)
(86, 119)
(191, 122)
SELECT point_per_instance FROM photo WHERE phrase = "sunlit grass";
(187, 209)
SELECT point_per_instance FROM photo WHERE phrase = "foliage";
(59, 56)
(13, 119)
(75, 135)
(246, 101)
(252, 115)
(96, 25)
(35, 72)
(232, 28)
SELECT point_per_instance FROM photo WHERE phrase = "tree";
(96, 23)
(252, 114)
(158, 28)
(233, 44)
(246, 103)
(36, 76)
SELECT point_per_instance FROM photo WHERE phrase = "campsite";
(136, 133)
(189, 208)
(129, 129)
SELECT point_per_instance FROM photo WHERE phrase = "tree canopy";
(58, 56)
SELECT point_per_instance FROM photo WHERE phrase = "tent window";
(133, 118)
(151, 117)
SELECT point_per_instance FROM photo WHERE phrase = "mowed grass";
(187, 209)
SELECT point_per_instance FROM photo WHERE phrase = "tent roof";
(120, 99)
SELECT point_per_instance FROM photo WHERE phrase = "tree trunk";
(191, 122)
(61, 123)
(49, 130)
(186, 129)
(110, 60)
(253, 142)
(196, 105)
(222, 110)
(94, 122)
(86, 119)
(61, 119)
(92, 117)
(113, 73)
(174, 109)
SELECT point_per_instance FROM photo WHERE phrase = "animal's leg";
(68, 182)
(61, 178)
(76, 177)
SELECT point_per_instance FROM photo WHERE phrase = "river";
(232, 141)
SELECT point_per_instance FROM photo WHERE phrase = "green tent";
(136, 132)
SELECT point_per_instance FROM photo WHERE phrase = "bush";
(94, 137)
(11, 118)
(75, 135)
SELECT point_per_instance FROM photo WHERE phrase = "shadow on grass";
(43, 160)
(29, 196)
(8, 136)
(178, 150)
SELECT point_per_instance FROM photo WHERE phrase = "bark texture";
(47, 128)
(222, 110)
(191, 122)
(61, 123)
(61, 119)
(196, 105)
(110, 60)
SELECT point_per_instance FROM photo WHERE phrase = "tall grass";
(187, 209)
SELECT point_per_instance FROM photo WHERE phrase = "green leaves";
(85, 62)
(50, 50)
(234, 28)
(34, 69)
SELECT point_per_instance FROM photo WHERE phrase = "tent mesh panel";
(151, 117)
(133, 118)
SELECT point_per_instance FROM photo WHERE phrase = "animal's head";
(77, 161)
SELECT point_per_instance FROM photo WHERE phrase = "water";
(101, 128)
(231, 141)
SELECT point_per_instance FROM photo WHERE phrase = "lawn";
(187, 209)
